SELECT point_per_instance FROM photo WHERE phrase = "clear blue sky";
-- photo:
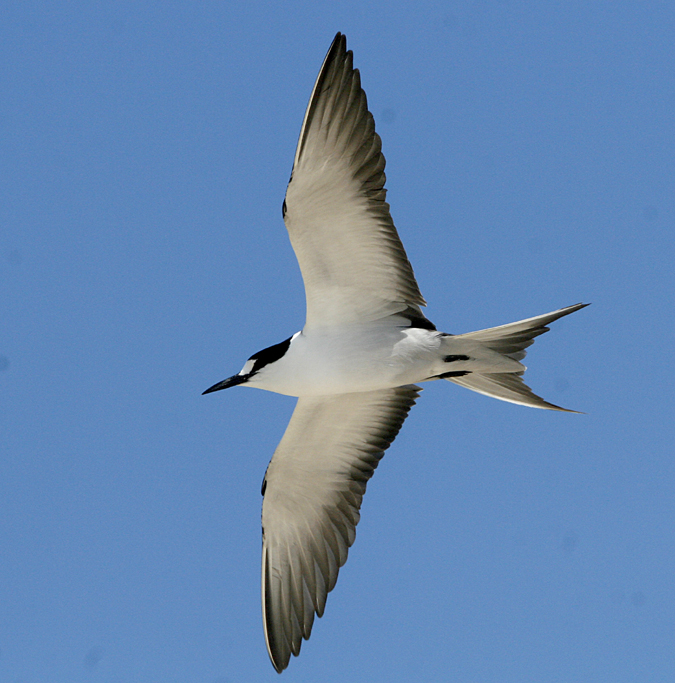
(144, 153)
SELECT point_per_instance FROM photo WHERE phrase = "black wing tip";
(574, 307)
(337, 48)
(338, 45)
(279, 657)
(278, 667)
(566, 311)
(277, 648)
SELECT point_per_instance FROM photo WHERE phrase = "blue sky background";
(144, 153)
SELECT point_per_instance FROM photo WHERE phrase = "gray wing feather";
(353, 264)
(314, 487)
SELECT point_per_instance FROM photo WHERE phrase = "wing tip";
(279, 656)
(339, 40)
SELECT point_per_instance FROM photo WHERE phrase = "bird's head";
(253, 366)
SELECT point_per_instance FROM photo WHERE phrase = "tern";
(356, 363)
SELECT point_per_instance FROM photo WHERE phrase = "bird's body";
(356, 363)
(375, 355)
(353, 358)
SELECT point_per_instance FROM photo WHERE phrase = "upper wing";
(312, 494)
(352, 261)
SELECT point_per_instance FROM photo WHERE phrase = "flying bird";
(356, 363)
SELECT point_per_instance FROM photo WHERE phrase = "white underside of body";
(370, 357)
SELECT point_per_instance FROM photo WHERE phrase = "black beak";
(227, 383)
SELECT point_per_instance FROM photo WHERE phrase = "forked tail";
(511, 341)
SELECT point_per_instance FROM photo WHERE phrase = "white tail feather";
(511, 341)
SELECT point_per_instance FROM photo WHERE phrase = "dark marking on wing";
(447, 375)
(452, 359)
(417, 319)
(264, 485)
(422, 323)
(283, 209)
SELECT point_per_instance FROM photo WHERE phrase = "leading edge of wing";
(313, 490)
(353, 263)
